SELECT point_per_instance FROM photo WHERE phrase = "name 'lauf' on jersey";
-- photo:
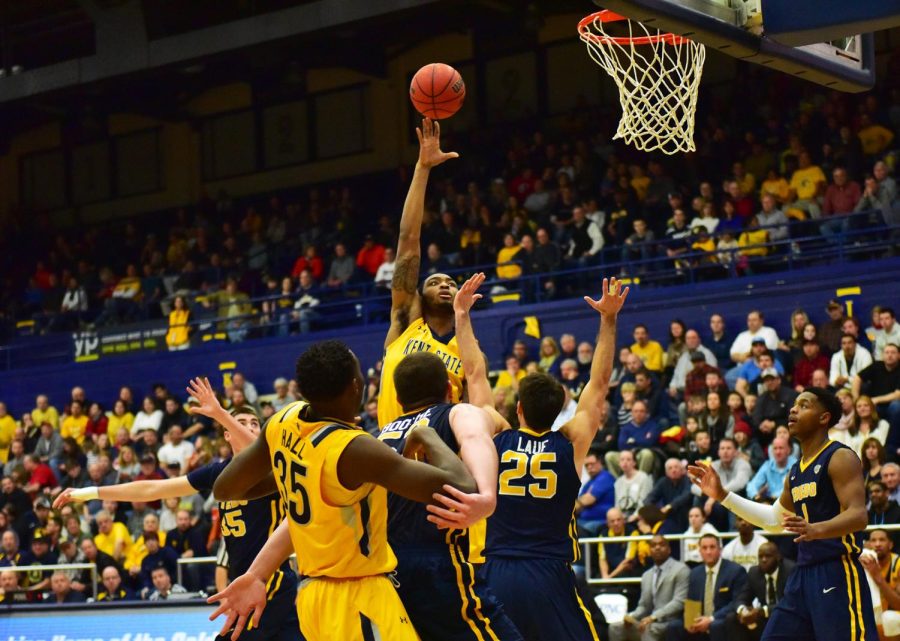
(407, 520)
(815, 500)
(534, 517)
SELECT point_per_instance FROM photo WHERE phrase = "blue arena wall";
(860, 286)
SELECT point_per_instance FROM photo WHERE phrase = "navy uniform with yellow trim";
(829, 585)
(531, 537)
(438, 585)
(246, 526)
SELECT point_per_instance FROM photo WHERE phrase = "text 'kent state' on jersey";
(246, 526)
(534, 517)
(816, 500)
(407, 520)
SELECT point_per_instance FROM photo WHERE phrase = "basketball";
(437, 91)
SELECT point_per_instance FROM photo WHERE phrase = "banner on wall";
(92, 346)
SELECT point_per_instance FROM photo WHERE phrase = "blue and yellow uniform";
(438, 585)
(338, 534)
(246, 526)
(827, 597)
(531, 537)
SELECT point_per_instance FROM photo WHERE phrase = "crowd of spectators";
(530, 198)
(700, 393)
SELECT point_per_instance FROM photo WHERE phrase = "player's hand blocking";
(461, 511)
(243, 599)
(209, 404)
(466, 297)
(611, 299)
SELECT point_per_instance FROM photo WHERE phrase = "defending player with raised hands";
(530, 537)
(246, 525)
(419, 321)
(333, 478)
(824, 504)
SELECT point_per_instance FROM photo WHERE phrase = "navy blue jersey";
(536, 500)
(407, 522)
(246, 526)
(815, 500)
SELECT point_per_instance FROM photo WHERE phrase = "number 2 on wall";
(544, 485)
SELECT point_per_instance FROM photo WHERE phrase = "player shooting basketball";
(419, 321)
(824, 503)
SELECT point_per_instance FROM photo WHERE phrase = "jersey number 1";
(544, 485)
(293, 492)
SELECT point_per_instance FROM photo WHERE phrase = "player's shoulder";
(291, 410)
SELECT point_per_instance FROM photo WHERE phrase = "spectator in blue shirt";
(768, 482)
(157, 556)
(639, 435)
(596, 497)
(749, 372)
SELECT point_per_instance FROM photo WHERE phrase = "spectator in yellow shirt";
(873, 137)
(120, 417)
(744, 178)
(776, 186)
(650, 352)
(112, 537)
(640, 182)
(138, 551)
(507, 270)
(178, 336)
(511, 376)
(75, 424)
(752, 240)
(44, 412)
(7, 432)
(807, 186)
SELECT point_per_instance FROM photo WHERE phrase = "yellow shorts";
(352, 610)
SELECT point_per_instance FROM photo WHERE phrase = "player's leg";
(791, 619)
(562, 615)
(279, 620)
(840, 603)
(353, 610)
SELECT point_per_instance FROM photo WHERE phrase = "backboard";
(738, 28)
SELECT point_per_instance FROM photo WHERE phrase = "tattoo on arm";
(406, 274)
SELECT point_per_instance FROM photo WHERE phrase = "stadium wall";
(858, 286)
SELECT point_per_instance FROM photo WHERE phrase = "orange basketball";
(437, 91)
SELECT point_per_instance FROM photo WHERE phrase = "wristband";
(91, 493)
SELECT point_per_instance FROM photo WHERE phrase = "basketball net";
(658, 76)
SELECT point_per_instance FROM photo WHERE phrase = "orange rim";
(584, 30)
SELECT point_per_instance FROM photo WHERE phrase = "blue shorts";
(279, 620)
(540, 597)
(828, 601)
(444, 600)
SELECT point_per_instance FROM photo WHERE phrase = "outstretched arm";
(210, 407)
(248, 476)
(582, 427)
(405, 303)
(474, 366)
(368, 460)
(143, 491)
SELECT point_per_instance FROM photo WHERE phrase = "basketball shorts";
(558, 615)
(444, 599)
(279, 621)
(363, 609)
(828, 601)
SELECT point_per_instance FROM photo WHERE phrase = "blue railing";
(362, 304)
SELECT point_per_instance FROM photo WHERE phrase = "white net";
(658, 76)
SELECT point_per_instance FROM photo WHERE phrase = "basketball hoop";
(658, 76)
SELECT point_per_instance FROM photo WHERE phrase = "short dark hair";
(829, 403)
(843, 336)
(542, 399)
(420, 379)
(888, 310)
(325, 370)
(728, 439)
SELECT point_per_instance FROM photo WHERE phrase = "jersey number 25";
(540, 482)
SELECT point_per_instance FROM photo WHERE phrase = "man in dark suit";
(764, 587)
(715, 584)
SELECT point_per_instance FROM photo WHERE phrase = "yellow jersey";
(7, 432)
(651, 355)
(49, 415)
(74, 426)
(336, 532)
(418, 337)
(107, 542)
